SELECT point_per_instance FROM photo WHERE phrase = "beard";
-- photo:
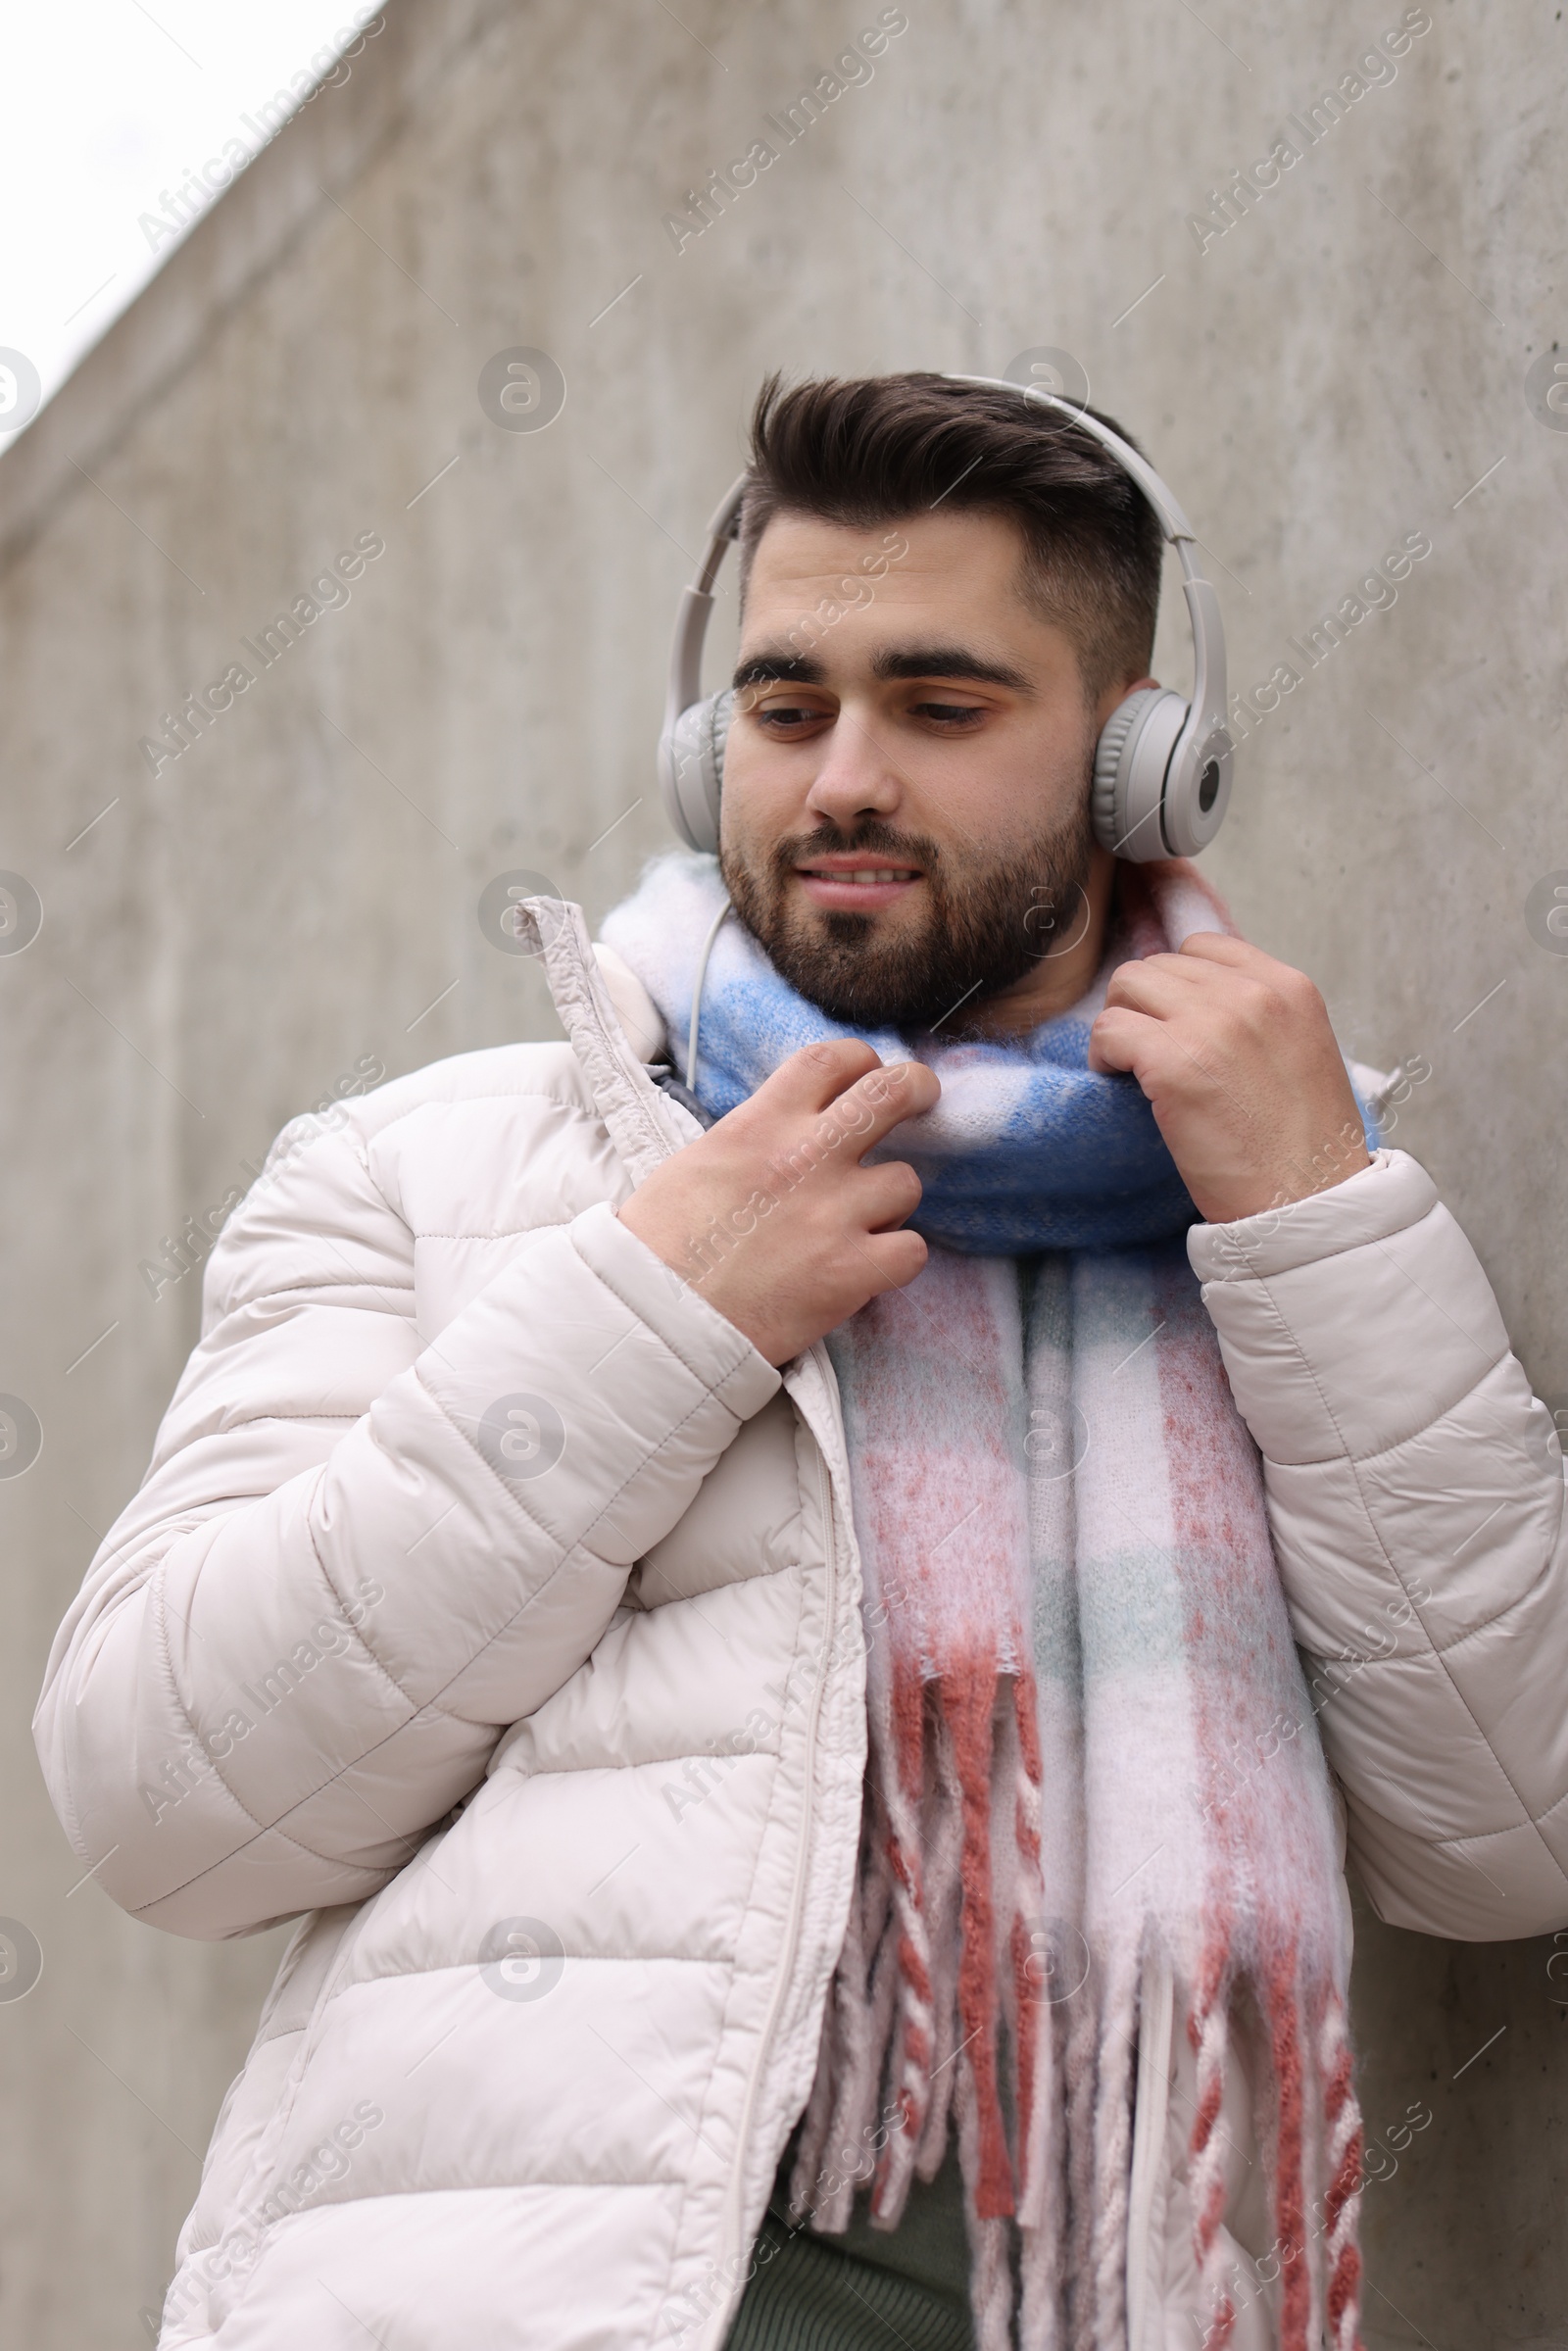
(986, 922)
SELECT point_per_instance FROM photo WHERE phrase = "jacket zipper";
(733, 2243)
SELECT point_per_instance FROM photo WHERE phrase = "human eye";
(952, 718)
(786, 713)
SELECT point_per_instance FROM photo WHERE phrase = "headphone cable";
(697, 994)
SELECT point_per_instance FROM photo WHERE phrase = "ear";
(1115, 696)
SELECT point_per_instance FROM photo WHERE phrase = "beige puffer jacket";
(493, 1603)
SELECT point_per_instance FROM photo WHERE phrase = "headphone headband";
(1173, 523)
(1163, 765)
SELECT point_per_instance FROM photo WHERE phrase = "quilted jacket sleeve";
(1415, 1491)
(296, 1647)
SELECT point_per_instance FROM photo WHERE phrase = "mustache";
(872, 836)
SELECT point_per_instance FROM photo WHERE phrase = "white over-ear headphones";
(1162, 764)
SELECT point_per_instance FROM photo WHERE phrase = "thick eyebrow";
(946, 661)
(769, 667)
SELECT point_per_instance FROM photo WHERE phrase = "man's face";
(906, 802)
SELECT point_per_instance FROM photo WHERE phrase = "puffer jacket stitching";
(1355, 1464)
(1490, 1361)
(172, 1684)
(402, 1970)
(261, 1826)
(158, 1583)
(160, 1597)
(438, 1103)
(519, 1231)
(260, 1420)
(1384, 1658)
(399, 1835)
(1461, 1845)
(263, 1829)
(416, 1713)
(1399, 1444)
(493, 2187)
(737, 1974)
(676, 1593)
(1267, 1293)
(354, 1277)
(1527, 1819)
(334, 1987)
(288, 1968)
(1485, 1625)
(365, 1138)
(710, 1392)
(348, 1281)
(1347, 1453)
(359, 1152)
(1323, 1248)
(69, 1814)
(428, 1707)
(581, 1545)
(357, 1281)
(260, 2163)
(1558, 1806)
(742, 1353)
(278, 1828)
(618, 1095)
(660, 1761)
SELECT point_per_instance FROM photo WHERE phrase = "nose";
(855, 778)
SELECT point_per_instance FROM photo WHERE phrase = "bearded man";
(804, 1588)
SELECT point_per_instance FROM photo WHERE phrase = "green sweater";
(869, 2289)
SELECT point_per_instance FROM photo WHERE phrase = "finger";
(892, 1260)
(1123, 1040)
(1157, 984)
(1284, 981)
(885, 1195)
(1166, 985)
(1160, 1058)
(882, 1100)
(818, 1074)
(1218, 947)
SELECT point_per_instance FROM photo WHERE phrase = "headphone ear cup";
(720, 709)
(692, 769)
(1198, 791)
(1131, 760)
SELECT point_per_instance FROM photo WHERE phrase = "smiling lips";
(856, 884)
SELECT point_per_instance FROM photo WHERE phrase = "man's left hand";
(1238, 1059)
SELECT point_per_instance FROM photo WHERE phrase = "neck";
(1060, 977)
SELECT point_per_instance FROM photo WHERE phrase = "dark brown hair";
(882, 448)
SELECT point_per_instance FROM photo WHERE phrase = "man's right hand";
(771, 1215)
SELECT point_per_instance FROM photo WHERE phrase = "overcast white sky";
(107, 107)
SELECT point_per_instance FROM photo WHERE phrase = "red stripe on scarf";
(1218, 1516)
(1283, 1998)
(968, 1699)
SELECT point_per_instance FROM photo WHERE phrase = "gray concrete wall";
(1348, 362)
